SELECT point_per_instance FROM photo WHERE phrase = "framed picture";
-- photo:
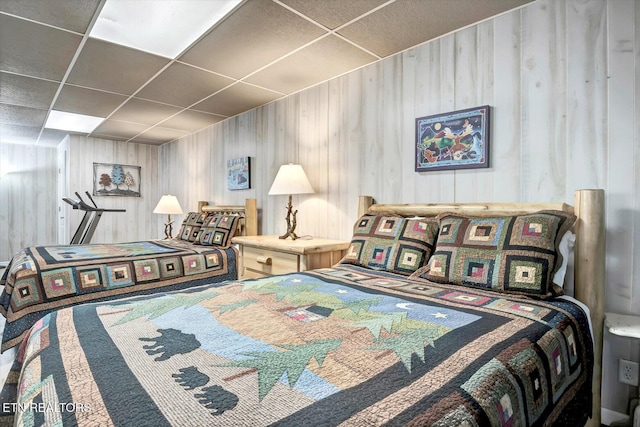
(455, 140)
(239, 173)
(114, 179)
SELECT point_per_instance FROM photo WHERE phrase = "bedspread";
(40, 279)
(340, 346)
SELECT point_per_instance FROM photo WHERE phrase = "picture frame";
(115, 179)
(239, 173)
(454, 140)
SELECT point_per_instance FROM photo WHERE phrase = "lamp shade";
(290, 179)
(168, 204)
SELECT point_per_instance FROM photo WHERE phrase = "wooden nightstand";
(266, 255)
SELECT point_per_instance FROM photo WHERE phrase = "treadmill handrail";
(90, 220)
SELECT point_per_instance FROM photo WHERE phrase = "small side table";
(625, 326)
(266, 255)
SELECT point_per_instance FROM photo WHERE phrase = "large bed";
(40, 279)
(370, 341)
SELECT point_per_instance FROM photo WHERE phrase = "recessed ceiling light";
(164, 27)
(72, 122)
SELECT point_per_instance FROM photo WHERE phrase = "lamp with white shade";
(168, 205)
(290, 180)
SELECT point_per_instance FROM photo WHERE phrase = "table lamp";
(168, 205)
(290, 180)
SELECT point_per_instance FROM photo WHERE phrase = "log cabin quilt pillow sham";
(391, 243)
(218, 230)
(513, 254)
(191, 225)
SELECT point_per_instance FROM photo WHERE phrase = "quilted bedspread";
(341, 346)
(40, 279)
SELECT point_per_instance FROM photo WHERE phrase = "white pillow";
(566, 247)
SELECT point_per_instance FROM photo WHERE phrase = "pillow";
(512, 254)
(218, 230)
(191, 225)
(208, 226)
(565, 247)
(391, 243)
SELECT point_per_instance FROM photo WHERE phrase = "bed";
(40, 279)
(361, 343)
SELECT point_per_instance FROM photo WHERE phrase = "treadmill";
(90, 220)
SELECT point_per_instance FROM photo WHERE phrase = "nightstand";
(625, 326)
(267, 255)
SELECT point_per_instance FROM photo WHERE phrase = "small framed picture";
(239, 173)
(454, 140)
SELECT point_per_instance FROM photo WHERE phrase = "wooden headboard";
(248, 215)
(589, 259)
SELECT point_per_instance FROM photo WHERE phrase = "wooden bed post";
(364, 203)
(590, 277)
(251, 217)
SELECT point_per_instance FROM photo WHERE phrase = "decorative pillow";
(219, 230)
(392, 243)
(512, 254)
(209, 223)
(191, 225)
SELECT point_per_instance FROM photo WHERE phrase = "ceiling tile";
(74, 15)
(333, 13)
(144, 112)
(407, 23)
(114, 68)
(191, 121)
(257, 33)
(24, 116)
(51, 137)
(236, 99)
(262, 51)
(19, 134)
(320, 61)
(79, 100)
(26, 91)
(183, 85)
(113, 129)
(159, 135)
(35, 50)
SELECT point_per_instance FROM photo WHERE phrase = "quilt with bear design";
(340, 346)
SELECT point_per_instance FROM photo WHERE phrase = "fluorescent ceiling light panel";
(162, 27)
(72, 122)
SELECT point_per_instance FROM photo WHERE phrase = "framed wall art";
(454, 140)
(114, 179)
(239, 173)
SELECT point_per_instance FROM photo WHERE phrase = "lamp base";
(168, 229)
(291, 222)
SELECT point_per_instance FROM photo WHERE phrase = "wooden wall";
(30, 199)
(562, 77)
(138, 222)
(27, 194)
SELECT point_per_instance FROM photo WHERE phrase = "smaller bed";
(40, 279)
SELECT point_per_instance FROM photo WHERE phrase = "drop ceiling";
(261, 51)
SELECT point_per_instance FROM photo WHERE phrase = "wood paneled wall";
(27, 198)
(562, 77)
(30, 203)
(138, 222)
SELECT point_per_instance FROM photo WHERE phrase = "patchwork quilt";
(40, 279)
(342, 346)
